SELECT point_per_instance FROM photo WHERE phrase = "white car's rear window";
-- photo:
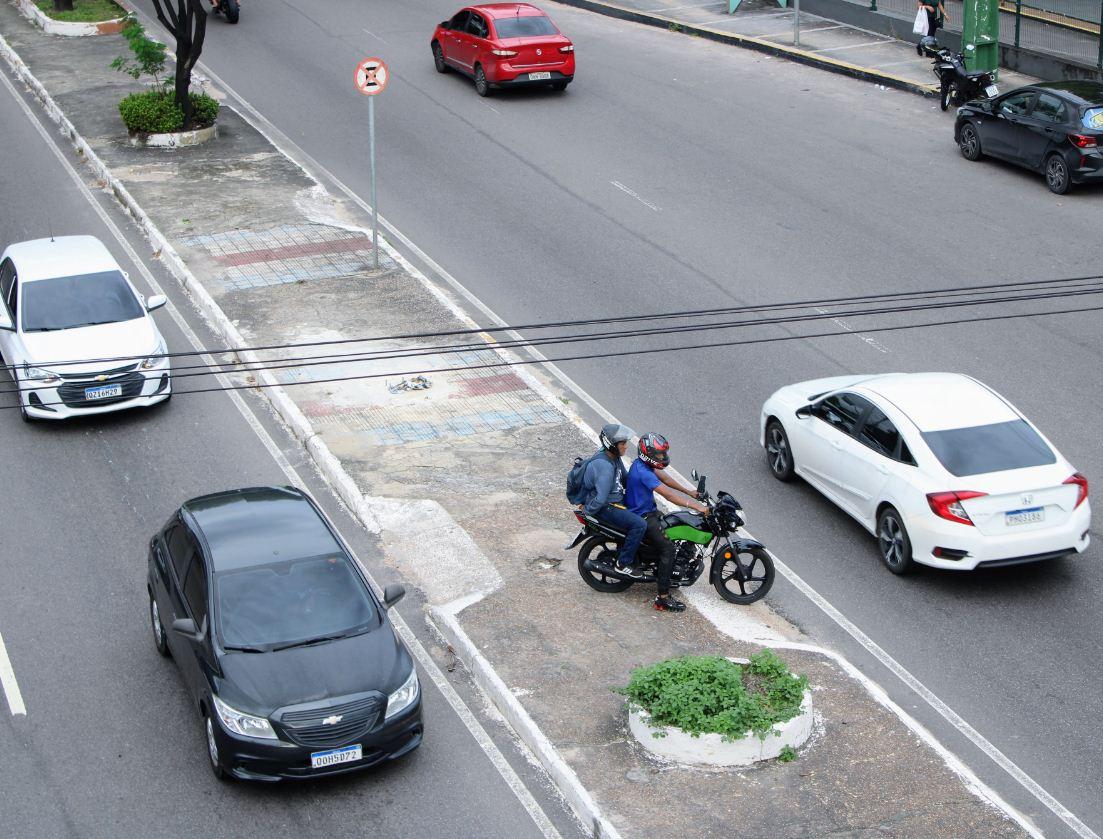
(1093, 118)
(989, 448)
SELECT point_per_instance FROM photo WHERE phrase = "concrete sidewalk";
(464, 482)
(762, 26)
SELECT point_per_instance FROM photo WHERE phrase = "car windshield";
(524, 27)
(83, 300)
(989, 448)
(1093, 118)
(293, 602)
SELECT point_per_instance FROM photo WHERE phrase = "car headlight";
(156, 358)
(404, 697)
(243, 724)
(47, 377)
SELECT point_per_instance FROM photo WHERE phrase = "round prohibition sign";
(371, 76)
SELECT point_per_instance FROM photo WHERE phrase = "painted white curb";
(577, 796)
(71, 29)
(711, 749)
(174, 139)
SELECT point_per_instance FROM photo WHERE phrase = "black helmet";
(653, 450)
(614, 434)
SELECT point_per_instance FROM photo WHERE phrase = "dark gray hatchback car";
(289, 657)
(1054, 128)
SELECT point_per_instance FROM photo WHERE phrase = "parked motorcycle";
(956, 84)
(740, 570)
(229, 8)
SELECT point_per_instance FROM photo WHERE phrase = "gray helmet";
(613, 434)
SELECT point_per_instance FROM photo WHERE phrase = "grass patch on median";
(709, 694)
(84, 11)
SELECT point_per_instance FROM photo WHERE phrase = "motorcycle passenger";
(646, 478)
(603, 483)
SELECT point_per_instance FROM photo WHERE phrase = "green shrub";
(709, 694)
(155, 112)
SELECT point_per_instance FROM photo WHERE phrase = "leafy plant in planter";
(712, 695)
(160, 110)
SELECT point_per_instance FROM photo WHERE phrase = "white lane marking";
(377, 37)
(307, 161)
(7, 679)
(486, 743)
(873, 342)
(634, 194)
(487, 104)
(855, 46)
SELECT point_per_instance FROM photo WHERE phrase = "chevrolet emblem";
(101, 378)
(336, 718)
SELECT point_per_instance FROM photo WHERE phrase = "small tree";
(147, 56)
(186, 20)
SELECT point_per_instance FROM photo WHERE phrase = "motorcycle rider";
(646, 478)
(603, 484)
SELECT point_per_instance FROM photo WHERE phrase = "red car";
(504, 45)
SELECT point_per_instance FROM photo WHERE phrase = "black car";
(289, 656)
(1055, 128)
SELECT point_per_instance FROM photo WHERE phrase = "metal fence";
(1065, 28)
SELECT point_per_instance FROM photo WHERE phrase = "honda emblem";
(539, 53)
(1027, 497)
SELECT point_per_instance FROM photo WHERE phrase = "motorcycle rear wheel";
(758, 575)
(605, 549)
(231, 10)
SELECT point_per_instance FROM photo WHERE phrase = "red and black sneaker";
(666, 603)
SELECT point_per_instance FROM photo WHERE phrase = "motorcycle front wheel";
(743, 575)
(231, 10)
(949, 93)
(600, 549)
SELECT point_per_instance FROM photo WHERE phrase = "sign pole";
(796, 23)
(374, 202)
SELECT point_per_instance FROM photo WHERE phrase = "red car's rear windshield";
(524, 27)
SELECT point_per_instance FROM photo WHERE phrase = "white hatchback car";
(941, 468)
(76, 336)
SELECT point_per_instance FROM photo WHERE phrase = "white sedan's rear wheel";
(893, 543)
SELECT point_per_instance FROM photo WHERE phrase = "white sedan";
(75, 335)
(941, 468)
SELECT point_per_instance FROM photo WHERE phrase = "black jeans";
(656, 538)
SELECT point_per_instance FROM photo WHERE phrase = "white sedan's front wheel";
(893, 543)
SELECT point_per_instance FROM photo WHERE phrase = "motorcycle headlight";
(243, 724)
(156, 358)
(404, 697)
(46, 377)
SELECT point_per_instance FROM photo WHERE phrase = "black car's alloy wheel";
(482, 86)
(779, 457)
(213, 757)
(159, 639)
(1057, 175)
(969, 142)
(438, 58)
(893, 543)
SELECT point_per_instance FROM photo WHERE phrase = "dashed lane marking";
(7, 679)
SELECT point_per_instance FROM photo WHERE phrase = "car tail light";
(568, 48)
(1082, 141)
(947, 505)
(1082, 486)
(505, 53)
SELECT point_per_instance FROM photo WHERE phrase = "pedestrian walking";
(936, 18)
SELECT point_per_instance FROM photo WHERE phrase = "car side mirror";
(804, 411)
(5, 320)
(186, 627)
(392, 594)
(156, 301)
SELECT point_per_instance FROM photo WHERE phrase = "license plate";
(103, 392)
(992, 90)
(539, 77)
(349, 754)
(1028, 516)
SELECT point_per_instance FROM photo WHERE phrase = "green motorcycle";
(740, 570)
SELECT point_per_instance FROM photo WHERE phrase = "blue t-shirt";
(639, 497)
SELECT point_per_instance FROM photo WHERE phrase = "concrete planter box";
(711, 750)
(175, 139)
(63, 27)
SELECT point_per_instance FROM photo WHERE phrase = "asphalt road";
(676, 174)
(109, 745)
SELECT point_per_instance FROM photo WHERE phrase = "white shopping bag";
(920, 25)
